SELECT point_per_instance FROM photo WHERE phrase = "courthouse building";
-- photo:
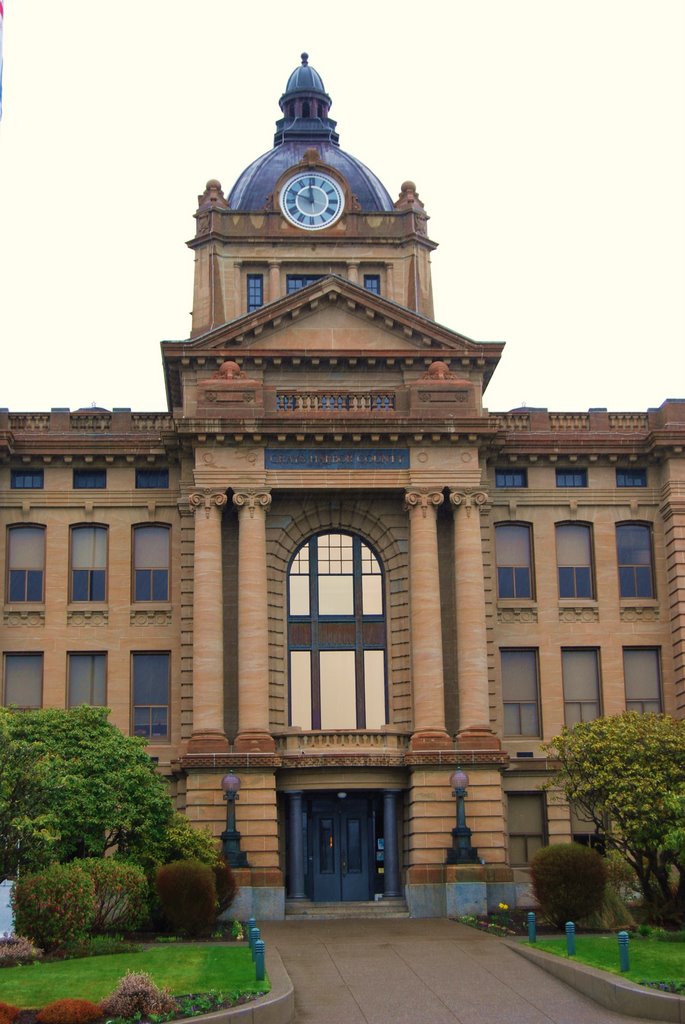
(328, 568)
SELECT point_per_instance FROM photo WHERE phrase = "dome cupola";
(305, 124)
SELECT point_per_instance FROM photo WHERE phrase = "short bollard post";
(532, 931)
(570, 938)
(623, 954)
(255, 936)
(259, 959)
(252, 923)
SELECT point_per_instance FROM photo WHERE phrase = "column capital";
(206, 498)
(251, 500)
(468, 499)
(423, 500)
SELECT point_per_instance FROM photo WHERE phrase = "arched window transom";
(336, 635)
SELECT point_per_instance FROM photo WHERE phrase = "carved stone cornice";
(423, 500)
(469, 499)
(252, 500)
(206, 499)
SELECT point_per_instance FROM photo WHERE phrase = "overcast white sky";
(546, 138)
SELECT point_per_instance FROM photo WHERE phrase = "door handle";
(343, 866)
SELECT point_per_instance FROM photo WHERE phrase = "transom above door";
(336, 635)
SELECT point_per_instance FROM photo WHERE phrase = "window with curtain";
(26, 563)
(527, 826)
(642, 676)
(151, 563)
(634, 547)
(150, 683)
(336, 635)
(514, 563)
(574, 560)
(23, 680)
(580, 672)
(88, 563)
(87, 679)
(520, 692)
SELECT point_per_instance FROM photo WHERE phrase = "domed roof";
(305, 79)
(306, 124)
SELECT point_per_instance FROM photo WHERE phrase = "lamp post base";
(230, 844)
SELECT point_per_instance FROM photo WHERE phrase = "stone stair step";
(386, 908)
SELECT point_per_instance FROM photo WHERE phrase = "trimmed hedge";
(187, 892)
(55, 906)
(568, 882)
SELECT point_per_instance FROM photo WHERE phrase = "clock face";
(311, 201)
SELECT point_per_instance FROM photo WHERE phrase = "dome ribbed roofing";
(305, 79)
(306, 124)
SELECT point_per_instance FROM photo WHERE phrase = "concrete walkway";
(419, 972)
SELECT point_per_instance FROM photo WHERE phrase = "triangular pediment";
(334, 315)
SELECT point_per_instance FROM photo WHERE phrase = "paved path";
(419, 972)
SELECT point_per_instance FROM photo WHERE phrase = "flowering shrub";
(16, 950)
(137, 994)
(69, 1011)
(8, 1011)
(120, 893)
(187, 892)
(54, 906)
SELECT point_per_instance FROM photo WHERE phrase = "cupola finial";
(305, 59)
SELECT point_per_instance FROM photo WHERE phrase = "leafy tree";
(103, 790)
(622, 772)
(27, 831)
(182, 841)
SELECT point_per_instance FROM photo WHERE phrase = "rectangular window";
(26, 563)
(634, 547)
(150, 673)
(23, 680)
(513, 554)
(27, 479)
(574, 561)
(511, 478)
(520, 692)
(152, 479)
(255, 292)
(151, 563)
(571, 478)
(87, 679)
(88, 563)
(90, 479)
(585, 830)
(296, 281)
(642, 675)
(527, 832)
(372, 283)
(631, 477)
(580, 670)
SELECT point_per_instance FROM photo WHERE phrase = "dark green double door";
(340, 851)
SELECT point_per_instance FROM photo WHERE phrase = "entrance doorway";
(339, 850)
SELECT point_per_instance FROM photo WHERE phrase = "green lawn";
(649, 960)
(182, 969)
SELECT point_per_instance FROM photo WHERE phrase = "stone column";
(274, 281)
(295, 847)
(253, 624)
(472, 663)
(353, 271)
(208, 734)
(391, 864)
(426, 627)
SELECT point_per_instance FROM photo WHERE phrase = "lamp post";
(461, 851)
(230, 838)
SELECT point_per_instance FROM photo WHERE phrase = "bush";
(55, 906)
(69, 1011)
(137, 994)
(226, 885)
(4, 1019)
(16, 950)
(8, 1011)
(121, 892)
(568, 882)
(187, 892)
(183, 841)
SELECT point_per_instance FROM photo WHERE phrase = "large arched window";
(336, 635)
